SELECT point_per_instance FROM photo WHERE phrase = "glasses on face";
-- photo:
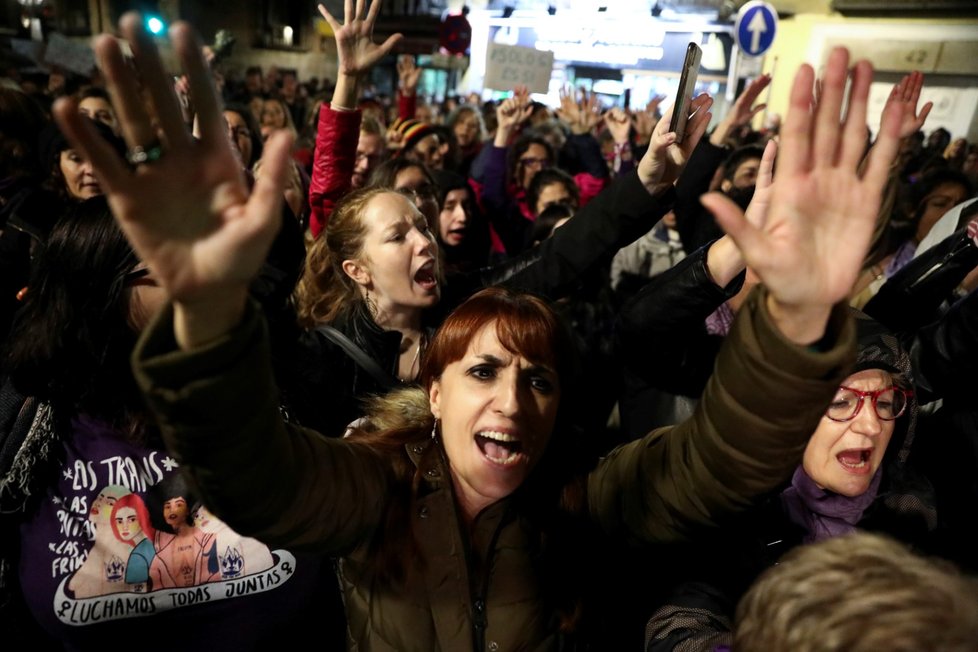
(538, 163)
(888, 403)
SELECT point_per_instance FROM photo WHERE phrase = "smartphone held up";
(687, 82)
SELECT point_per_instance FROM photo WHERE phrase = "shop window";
(282, 22)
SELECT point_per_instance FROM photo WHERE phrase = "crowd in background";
(399, 223)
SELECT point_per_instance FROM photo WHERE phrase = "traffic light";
(155, 24)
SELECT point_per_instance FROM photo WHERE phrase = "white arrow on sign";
(756, 27)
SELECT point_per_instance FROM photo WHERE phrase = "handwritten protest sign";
(69, 55)
(511, 65)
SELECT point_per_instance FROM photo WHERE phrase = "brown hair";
(528, 325)
(525, 324)
(324, 290)
(370, 125)
(858, 593)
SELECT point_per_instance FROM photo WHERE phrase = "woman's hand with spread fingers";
(809, 249)
(183, 204)
(355, 47)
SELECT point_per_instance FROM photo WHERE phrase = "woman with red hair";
(131, 524)
(465, 517)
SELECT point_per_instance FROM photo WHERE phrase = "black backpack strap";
(368, 364)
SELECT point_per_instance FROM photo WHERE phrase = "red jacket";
(333, 162)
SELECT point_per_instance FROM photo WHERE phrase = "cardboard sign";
(69, 55)
(509, 66)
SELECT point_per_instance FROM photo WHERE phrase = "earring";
(434, 430)
(371, 305)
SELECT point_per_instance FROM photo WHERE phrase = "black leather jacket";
(662, 343)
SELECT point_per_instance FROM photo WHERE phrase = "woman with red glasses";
(860, 448)
(857, 474)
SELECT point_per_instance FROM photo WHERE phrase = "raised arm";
(661, 338)
(785, 356)
(339, 122)
(742, 111)
(408, 75)
(184, 206)
(185, 209)
(696, 225)
(615, 218)
(809, 249)
(491, 181)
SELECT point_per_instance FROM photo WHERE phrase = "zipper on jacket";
(479, 607)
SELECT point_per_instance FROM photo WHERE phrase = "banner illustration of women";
(131, 525)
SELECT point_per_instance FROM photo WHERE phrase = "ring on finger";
(140, 154)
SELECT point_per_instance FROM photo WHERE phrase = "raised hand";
(580, 115)
(512, 112)
(742, 111)
(354, 37)
(184, 205)
(664, 160)
(907, 94)
(645, 120)
(408, 74)
(355, 48)
(619, 125)
(809, 249)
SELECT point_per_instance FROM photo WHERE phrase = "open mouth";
(425, 276)
(500, 447)
(855, 460)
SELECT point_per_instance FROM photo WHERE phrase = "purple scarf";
(902, 256)
(822, 513)
(720, 320)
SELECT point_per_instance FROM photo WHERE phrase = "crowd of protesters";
(283, 360)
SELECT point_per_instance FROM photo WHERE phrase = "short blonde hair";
(858, 593)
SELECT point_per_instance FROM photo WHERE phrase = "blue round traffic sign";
(757, 22)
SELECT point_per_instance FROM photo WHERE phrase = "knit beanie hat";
(412, 132)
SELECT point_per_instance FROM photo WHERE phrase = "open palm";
(189, 214)
(809, 249)
(355, 47)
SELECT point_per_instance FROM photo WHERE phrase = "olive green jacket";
(476, 590)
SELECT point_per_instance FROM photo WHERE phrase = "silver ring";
(137, 155)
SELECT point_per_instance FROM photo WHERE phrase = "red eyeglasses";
(888, 403)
